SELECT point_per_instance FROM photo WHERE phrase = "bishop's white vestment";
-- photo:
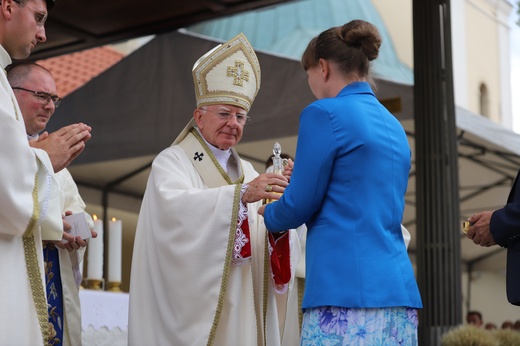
(186, 288)
(30, 212)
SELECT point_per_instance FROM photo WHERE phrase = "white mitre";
(229, 74)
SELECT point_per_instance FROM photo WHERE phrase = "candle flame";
(114, 219)
(94, 216)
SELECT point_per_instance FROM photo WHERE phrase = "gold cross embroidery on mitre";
(238, 73)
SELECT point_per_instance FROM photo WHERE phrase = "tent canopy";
(77, 25)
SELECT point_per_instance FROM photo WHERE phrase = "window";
(484, 100)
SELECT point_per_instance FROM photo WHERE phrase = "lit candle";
(95, 252)
(114, 250)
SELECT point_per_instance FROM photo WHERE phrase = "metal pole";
(438, 235)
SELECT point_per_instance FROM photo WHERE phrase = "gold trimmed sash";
(31, 259)
(33, 268)
(214, 176)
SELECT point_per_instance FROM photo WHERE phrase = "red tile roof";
(71, 71)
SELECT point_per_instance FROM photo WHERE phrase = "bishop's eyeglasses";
(242, 119)
(42, 97)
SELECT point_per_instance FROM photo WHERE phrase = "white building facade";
(481, 51)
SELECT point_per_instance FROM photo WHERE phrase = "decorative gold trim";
(238, 73)
(258, 326)
(219, 100)
(37, 288)
(227, 265)
(36, 210)
(267, 275)
(33, 268)
(301, 289)
(284, 321)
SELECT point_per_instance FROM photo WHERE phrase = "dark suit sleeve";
(505, 229)
(505, 224)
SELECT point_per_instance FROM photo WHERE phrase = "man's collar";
(5, 59)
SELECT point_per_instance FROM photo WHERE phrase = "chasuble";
(185, 287)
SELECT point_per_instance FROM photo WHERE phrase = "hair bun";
(364, 35)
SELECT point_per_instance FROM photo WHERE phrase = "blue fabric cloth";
(348, 185)
(54, 293)
(361, 327)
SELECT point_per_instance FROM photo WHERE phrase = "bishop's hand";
(265, 186)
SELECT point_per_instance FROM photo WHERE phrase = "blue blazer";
(505, 229)
(348, 185)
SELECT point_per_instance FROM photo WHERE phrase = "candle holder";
(114, 286)
(94, 284)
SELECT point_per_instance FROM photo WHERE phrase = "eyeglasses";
(40, 16)
(42, 97)
(242, 119)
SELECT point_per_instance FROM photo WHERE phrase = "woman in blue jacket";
(348, 186)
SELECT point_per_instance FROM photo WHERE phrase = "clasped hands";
(63, 145)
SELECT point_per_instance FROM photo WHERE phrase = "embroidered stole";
(54, 289)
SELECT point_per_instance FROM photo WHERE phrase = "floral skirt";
(330, 325)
